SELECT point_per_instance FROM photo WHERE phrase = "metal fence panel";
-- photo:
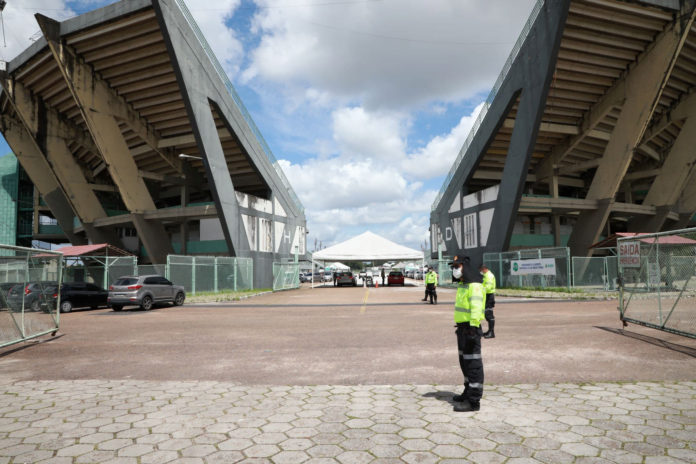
(152, 269)
(501, 266)
(204, 274)
(180, 270)
(660, 291)
(30, 281)
(590, 273)
(210, 274)
(286, 276)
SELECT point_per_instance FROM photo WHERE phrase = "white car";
(328, 276)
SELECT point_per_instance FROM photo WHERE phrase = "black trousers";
(470, 361)
(431, 290)
(488, 312)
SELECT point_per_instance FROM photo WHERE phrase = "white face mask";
(457, 273)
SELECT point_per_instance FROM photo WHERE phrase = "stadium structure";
(129, 127)
(589, 130)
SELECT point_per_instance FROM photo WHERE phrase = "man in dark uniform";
(468, 314)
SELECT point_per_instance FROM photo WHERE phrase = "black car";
(78, 295)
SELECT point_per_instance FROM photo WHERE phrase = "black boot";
(459, 398)
(490, 333)
(467, 407)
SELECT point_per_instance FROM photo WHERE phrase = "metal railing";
(240, 104)
(286, 276)
(658, 281)
(489, 101)
(596, 273)
(210, 273)
(30, 281)
(502, 266)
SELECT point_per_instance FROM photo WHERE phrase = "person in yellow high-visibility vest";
(489, 285)
(468, 314)
(431, 284)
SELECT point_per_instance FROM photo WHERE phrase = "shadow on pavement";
(445, 396)
(29, 344)
(653, 341)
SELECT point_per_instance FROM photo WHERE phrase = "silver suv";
(144, 291)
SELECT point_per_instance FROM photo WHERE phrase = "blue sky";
(365, 102)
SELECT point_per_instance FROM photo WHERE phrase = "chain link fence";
(596, 273)
(30, 281)
(210, 274)
(99, 270)
(658, 276)
(503, 265)
(286, 276)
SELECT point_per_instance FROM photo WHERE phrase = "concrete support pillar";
(642, 89)
(100, 109)
(184, 228)
(687, 203)
(557, 242)
(672, 179)
(40, 173)
(48, 132)
(199, 93)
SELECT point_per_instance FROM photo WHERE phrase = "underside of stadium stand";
(590, 130)
(98, 112)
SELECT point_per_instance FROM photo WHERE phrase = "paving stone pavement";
(134, 422)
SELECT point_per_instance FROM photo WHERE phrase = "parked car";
(306, 277)
(328, 276)
(362, 274)
(144, 291)
(318, 277)
(5, 288)
(418, 275)
(395, 278)
(346, 278)
(77, 295)
(409, 273)
(33, 295)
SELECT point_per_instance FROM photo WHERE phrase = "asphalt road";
(350, 336)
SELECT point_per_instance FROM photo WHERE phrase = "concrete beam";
(498, 175)
(686, 207)
(41, 174)
(642, 174)
(669, 184)
(102, 112)
(641, 88)
(577, 167)
(187, 139)
(48, 132)
(163, 177)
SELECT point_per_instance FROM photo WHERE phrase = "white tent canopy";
(336, 266)
(367, 247)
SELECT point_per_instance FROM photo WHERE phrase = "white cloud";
(436, 158)
(366, 135)
(20, 24)
(211, 16)
(344, 49)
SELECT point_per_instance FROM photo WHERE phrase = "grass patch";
(224, 295)
(555, 292)
(546, 289)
